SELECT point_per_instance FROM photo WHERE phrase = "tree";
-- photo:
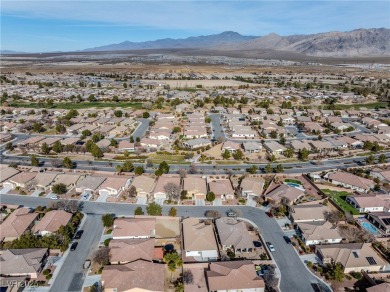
(118, 113)
(303, 154)
(382, 158)
(226, 154)
(34, 160)
(176, 129)
(288, 153)
(108, 220)
(172, 212)
(164, 167)
(238, 155)
(370, 159)
(85, 133)
(273, 134)
(114, 143)
(45, 149)
(101, 257)
(59, 189)
(335, 271)
(154, 209)
(188, 277)
(68, 163)
(9, 146)
(172, 190)
(138, 211)
(272, 158)
(252, 169)
(210, 196)
(279, 168)
(182, 173)
(333, 216)
(139, 170)
(282, 140)
(127, 166)
(57, 147)
(145, 115)
(133, 192)
(268, 168)
(96, 151)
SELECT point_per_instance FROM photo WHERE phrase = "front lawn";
(339, 199)
(158, 158)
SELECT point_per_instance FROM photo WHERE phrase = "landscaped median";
(339, 199)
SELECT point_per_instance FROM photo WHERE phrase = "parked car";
(231, 213)
(74, 246)
(78, 234)
(269, 214)
(270, 246)
(87, 264)
(287, 239)
(54, 197)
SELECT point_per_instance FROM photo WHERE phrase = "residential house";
(195, 186)
(234, 235)
(313, 233)
(252, 186)
(381, 220)
(222, 189)
(369, 203)
(252, 147)
(125, 146)
(284, 192)
(130, 228)
(20, 180)
(350, 181)
(90, 184)
(308, 212)
(274, 148)
(7, 173)
(234, 276)
(123, 251)
(382, 174)
(160, 192)
(70, 180)
(51, 222)
(199, 240)
(139, 275)
(144, 185)
(17, 223)
(354, 257)
(43, 180)
(27, 262)
(230, 146)
(196, 143)
(113, 186)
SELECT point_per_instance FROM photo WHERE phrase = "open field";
(157, 158)
(81, 105)
(372, 105)
(339, 199)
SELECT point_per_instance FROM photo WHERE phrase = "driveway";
(199, 202)
(5, 190)
(141, 200)
(159, 201)
(217, 202)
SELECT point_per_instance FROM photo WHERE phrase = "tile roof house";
(369, 203)
(234, 276)
(222, 188)
(383, 287)
(113, 186)
(7, 172)
(128, 228)
(284, 191)
(20, 180)
(126, 146)
(252, 147)
(135, 276)
(252, 186)
(17, 223)
(381, 220)
(274, 147)
(70, 180)
(230, 146)
(350, 181)
(144, 185)
(234, 235)
(51, 222)
(27, 262)
(318, 233)
(123, 251)
(90, 184)
(353, 256)
(195, 186)
(159, 193)
(199, 240)
(382, 174)
(307, 212)
(43, 180)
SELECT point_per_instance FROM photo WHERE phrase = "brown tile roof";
(136, 275)
(198, 236)
(17, 223)
(22, 261)
(52, 221)
(129, 227)
(233, 276)
(221, 187)
(314, 231)
(351, 179)
(7, 172)
(306, 212)
(284, 191)
(130, 250)
(234, 233)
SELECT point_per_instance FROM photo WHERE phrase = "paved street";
(71, 276)
(140, 130)
(295, 276)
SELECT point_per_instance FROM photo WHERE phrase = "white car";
(270, 246)
(54, 197)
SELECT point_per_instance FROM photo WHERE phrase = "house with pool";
(380, 220)
(369, 203)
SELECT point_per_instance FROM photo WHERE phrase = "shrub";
(309, 264)
(46, 272)
(107, 241)
(48, 277)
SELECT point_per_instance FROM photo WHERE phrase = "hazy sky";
(40, 26)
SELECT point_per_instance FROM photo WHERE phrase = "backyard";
(339, 198)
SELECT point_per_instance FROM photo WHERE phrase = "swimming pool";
(370, 228)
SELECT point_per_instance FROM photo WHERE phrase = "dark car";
(78, 234)
(269, 214)
(287, 239)
(74, 246)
